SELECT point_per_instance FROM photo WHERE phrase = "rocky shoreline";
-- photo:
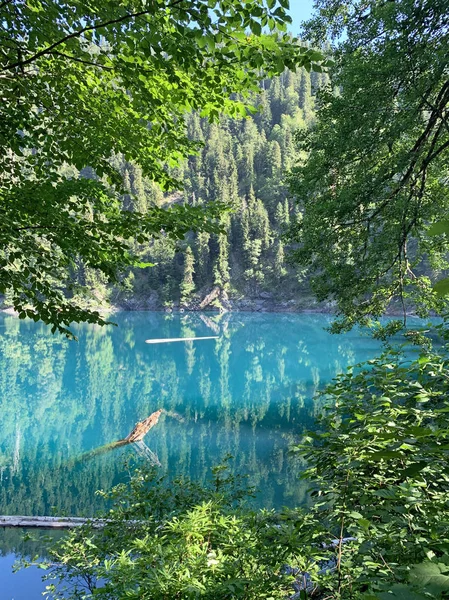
(219, 300)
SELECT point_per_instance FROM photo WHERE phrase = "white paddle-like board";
(185, 339)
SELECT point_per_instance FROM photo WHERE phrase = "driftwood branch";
(142, 428)
(136, 436)
(208, 321)
(185, 339)
(213, 295)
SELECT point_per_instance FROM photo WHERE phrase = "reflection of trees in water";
(27, 543)
(248, 394)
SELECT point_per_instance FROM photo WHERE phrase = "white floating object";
(185, 339)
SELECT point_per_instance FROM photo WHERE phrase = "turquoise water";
(248, 393)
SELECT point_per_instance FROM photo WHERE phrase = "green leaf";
(413, 469)
(439, 228)
(315, 55)
(388, 494)
(430, 576)
(384, 454)
(442, 287)
(399, 591)
(256, 27)
(355, 515)
(364, 523)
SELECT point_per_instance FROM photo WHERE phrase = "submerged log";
(208, 321)
(143, 451)
(47, 522)
(59, 522)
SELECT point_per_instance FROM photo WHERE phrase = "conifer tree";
(221, 267)
(273, 160)
(127, 203)
(286, 212)
(265, 117)
(279, 216)
(187, 284)
(279, 269)
(305, 95)
(137, 187)
(202, 256)
(275, 100)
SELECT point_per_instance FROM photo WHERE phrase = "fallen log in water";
(135, 437)
(213, 295)
(142, 428)
(47, 522)
(143, 451)
(137, 434)
(27, 522)
(208, 321)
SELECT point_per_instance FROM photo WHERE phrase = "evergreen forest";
(243, 163)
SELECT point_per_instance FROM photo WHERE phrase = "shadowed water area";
(248, 393)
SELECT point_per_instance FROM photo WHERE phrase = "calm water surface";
(248, 393)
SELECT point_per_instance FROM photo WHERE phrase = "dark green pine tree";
(221, 268)
(202, 252)
(187, 285)
(279, 269)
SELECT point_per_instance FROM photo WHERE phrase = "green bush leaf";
(430, 576)
(399, 592)
(438, 228)
(442, 287)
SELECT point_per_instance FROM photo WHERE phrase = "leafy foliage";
(82, 83)
(376, 175)
(375, 178)
(379, 468)
(179, 541)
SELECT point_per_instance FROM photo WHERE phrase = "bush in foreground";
(378, 528)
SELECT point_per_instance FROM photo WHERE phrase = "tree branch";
(80, 60)
(80, 32)
(430, 134)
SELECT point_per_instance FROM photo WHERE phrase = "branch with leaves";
(376, 175)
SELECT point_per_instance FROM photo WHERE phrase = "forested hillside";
(242, 162)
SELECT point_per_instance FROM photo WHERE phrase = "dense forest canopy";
(242, 163)
(376, 175)
(81, 84)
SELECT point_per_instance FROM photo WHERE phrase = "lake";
(249, 393)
